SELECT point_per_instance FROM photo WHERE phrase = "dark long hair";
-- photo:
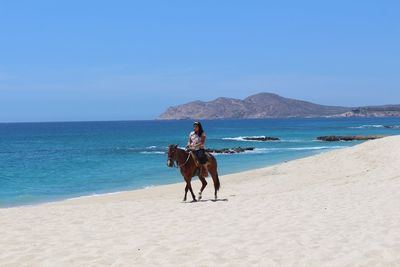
(201, 131)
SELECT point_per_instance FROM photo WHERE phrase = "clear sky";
(117, 60)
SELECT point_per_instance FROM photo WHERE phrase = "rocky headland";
(268, 105)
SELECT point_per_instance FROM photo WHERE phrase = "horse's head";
(171, 155)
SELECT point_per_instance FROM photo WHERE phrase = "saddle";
(200, 168)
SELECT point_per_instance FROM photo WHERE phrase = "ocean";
(42, 162)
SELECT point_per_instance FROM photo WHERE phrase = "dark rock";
(392, 126)
(261, 138)
(230, 150)
(331, 138)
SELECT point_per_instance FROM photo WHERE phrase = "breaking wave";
(367, 126)
(242, 138)
(141, 150)
(152, 152)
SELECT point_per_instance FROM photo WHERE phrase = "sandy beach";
(339, 208)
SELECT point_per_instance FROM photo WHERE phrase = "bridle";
(177, 165)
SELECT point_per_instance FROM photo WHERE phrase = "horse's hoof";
(199, 198)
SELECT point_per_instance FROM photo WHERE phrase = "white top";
(195, 140)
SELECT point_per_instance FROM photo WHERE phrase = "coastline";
(195, 183)
(51, 167)
(336, 208)
(195, 180)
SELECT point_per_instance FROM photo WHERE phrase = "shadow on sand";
(205, 200)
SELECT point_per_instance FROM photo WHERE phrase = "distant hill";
(373, 111)
(268, 105)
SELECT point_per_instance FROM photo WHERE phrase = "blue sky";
(117, 60)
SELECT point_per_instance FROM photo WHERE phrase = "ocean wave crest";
(367, 126)
(242, 138)
(141, 150)
(153, 152)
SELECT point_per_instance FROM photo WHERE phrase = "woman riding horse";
(186, 162)
(196, 143)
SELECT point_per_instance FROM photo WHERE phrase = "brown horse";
(187, 164)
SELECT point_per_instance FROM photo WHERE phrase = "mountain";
(268, 105)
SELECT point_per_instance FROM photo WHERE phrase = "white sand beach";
(340, 208)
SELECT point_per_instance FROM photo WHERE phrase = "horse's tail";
(217, 184)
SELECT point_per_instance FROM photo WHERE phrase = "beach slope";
(340, 208)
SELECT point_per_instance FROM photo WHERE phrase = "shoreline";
(339, 208)
(41, 171)
(195, 181)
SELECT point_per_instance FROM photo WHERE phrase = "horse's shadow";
(205, 200)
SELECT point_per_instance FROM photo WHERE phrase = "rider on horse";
(189, 162)
(196, 142)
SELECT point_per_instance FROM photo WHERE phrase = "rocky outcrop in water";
(332, 138)
(230, 150)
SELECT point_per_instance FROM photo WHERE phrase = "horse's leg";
(191, 191)
(214, 174)
(186, 190)
(203, 185)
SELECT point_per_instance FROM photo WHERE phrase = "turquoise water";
(42, 162)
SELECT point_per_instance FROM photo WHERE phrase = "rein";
(177, 163)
